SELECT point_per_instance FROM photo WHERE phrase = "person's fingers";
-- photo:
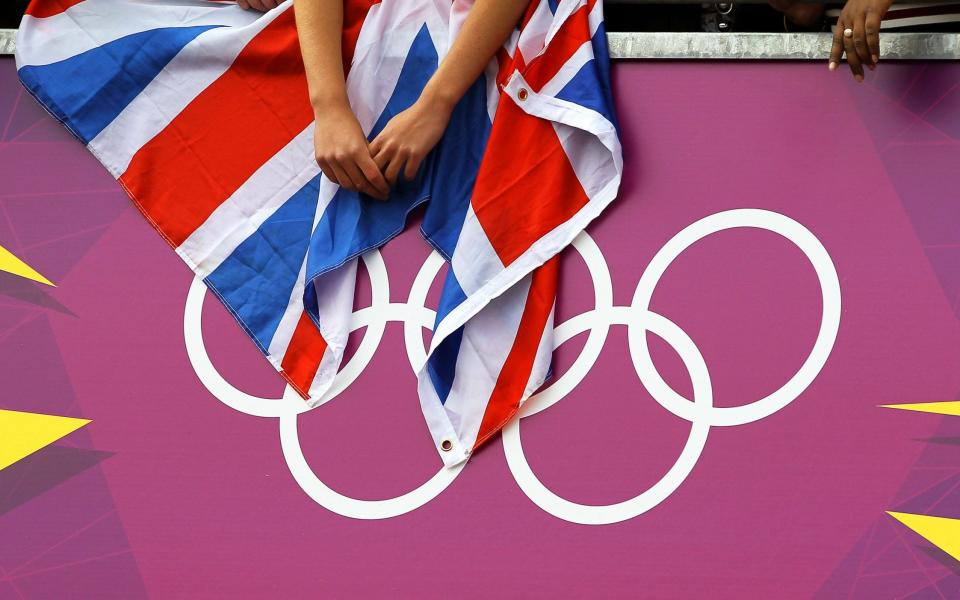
(360, 182)
(325, 168)
(373, 175)
(413, 165)
(342, 177)
(243, 4)
(377, 145)
(872, 26)
(393, 169)
(853, 61)
(836, 50)
(382, 155)
(860, 41)
(256, 5)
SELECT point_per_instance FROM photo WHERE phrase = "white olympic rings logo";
(701, 413)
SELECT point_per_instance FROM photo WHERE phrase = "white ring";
(287, 409)
(413, 333)
(382, 311)
(588, 250)
(658, 492)
(223, 390)
(416, 316)
(603, 300)
(829, 325)
(374, 318)
(290, 402)
(352, 507)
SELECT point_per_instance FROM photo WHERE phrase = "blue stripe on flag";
(353, 223)
(87, 91)
(590, 87)
(442, 365)
(256, 280)
(456, 162)
(451, 296)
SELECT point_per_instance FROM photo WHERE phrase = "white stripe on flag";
(596, 17)
(289, 320)
(577, 60)
(200, 63)
(382, 48)
(474, 260)
(438, 422)
(240, 215)
(565, 8)
(335, 297)
(93, 23)
(588, 157)
(487, 340)
(458, 14)
(532, 36)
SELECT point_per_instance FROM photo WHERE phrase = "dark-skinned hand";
(857, 35)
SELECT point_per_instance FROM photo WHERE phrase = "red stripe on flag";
(506, 65)
(229, 131)
(574, 33)
(42, 9)
(526, 186)
(303, 355)
(354, 14)
(528, 14)
(515, 374)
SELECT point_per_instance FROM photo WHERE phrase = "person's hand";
(408, 138)
(261, 5)
(343, 154)
(858, 35)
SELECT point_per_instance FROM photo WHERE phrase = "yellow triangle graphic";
(942, 532)
(941, 408)
(12, 264)
(22, 434)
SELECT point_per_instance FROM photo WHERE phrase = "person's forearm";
(319, 27)
(487, 27)
(409, 136)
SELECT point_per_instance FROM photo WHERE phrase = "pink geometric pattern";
(915, 123)
(168, 493)
(61, 534)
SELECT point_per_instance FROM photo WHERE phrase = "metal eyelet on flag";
(522, 94)
(446, 445)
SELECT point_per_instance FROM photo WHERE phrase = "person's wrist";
(328, 103)
(437, 100)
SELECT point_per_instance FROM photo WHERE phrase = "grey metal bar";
(730, 46)
(773, 46)
(8, 39)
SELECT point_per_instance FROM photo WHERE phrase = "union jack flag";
(201, 112)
